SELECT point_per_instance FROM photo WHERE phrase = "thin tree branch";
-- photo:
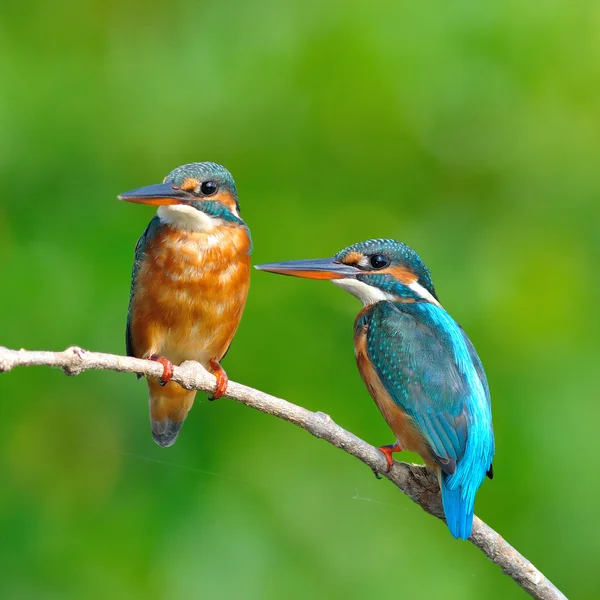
(417, 482)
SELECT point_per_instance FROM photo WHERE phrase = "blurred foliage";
(468, 130)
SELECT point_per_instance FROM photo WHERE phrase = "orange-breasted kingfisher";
(189, 284)
(418, 365)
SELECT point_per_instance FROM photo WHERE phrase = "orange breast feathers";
(400, 423)
(190, 293)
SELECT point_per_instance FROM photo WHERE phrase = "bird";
(189, 284)
(418, 365)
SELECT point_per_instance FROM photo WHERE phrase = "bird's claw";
(377, 474)
(222, 380)
(387, 451)
(167, 368)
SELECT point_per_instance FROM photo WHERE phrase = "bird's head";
(198, 197)
(372, 271)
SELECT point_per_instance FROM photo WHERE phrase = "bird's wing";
(140, 248)
(416, 362)
(486, 388)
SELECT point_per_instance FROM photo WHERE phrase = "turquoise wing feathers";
(432, 372)
(421, 376)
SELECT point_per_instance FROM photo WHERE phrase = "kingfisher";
(419, 366)
(189, 284)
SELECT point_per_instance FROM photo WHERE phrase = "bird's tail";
(169, 406)
(458, 506)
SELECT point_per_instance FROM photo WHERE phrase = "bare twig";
(417, 482)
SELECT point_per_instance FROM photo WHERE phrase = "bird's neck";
(187, 218)
(370, 289)
(412, 292)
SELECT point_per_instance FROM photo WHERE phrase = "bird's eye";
(208, 188)
(379, 261)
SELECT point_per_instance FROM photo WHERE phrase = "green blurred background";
(468, 130)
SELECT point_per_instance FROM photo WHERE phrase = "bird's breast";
(190, 293)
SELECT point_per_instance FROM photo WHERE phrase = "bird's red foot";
(167, 368)
(387, 451)
(222, 379)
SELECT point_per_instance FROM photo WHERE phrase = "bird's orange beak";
(158, 195)
(319, 268)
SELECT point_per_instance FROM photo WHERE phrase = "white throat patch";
(367, 294)
(421, 291)
(188, 218)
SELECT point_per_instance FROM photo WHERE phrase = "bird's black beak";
(158, 195)
(318, 268)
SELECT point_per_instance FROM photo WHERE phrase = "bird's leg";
(167, 368)
(387, 451)
(222, 379)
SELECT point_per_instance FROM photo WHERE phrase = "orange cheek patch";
(353, 258)
(228, 199)
(401, 274)
(190, 184)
